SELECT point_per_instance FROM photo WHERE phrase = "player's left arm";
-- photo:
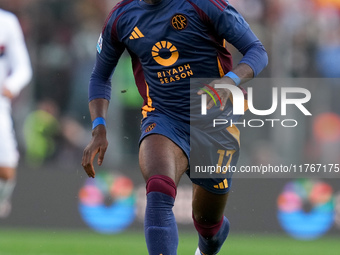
(230, 25)
(18, 57)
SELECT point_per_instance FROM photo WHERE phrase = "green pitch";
(48, 242)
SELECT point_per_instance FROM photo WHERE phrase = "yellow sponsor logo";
(150, 127)
(136, 33)
(175, 74)
(222, 185)
(165, 53)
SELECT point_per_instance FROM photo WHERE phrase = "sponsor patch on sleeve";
(100, 44)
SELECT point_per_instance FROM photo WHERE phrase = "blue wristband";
(98, 121)
(234, 77)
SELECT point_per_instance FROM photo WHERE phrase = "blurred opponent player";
(171, 41)
(15, 73)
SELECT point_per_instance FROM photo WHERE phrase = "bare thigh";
(158, 155)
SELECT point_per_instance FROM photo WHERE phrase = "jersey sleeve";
(109, 50)
(18, 57)
(230, 25)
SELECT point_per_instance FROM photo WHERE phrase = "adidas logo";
(222, 185)
(136, 33)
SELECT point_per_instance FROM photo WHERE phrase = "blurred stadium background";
(58, 210)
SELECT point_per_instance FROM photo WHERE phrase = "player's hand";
(97, 145)
(216, 95)
(7, 93)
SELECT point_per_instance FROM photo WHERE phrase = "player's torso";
(171, 41)
(4, 35)
(173, 45)
(4, 60)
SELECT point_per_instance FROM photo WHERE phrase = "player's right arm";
(109, 50)
(98, 144)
